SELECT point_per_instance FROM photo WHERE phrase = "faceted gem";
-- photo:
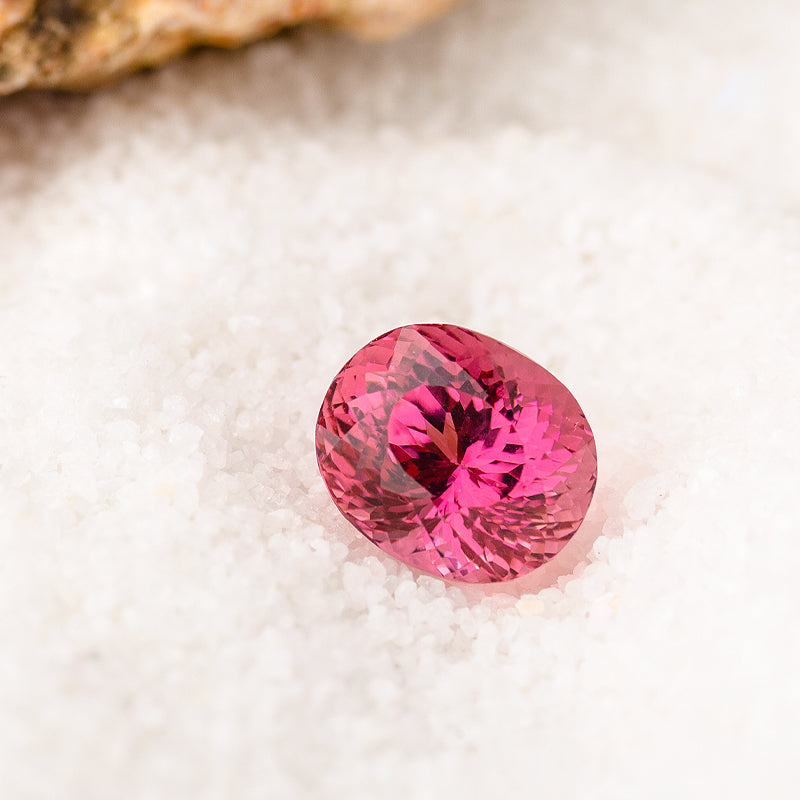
(456, 454)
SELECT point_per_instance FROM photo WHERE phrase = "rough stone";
(77, 44)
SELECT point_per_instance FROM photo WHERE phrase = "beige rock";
(75, 44)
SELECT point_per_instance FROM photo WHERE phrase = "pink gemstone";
(456, 454)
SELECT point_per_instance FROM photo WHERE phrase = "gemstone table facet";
(456, 454)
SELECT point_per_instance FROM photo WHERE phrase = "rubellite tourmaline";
(456, 454)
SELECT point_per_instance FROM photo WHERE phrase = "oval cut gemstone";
(456, 454)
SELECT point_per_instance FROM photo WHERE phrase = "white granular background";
(186, 260)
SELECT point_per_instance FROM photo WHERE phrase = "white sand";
(186, 260)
